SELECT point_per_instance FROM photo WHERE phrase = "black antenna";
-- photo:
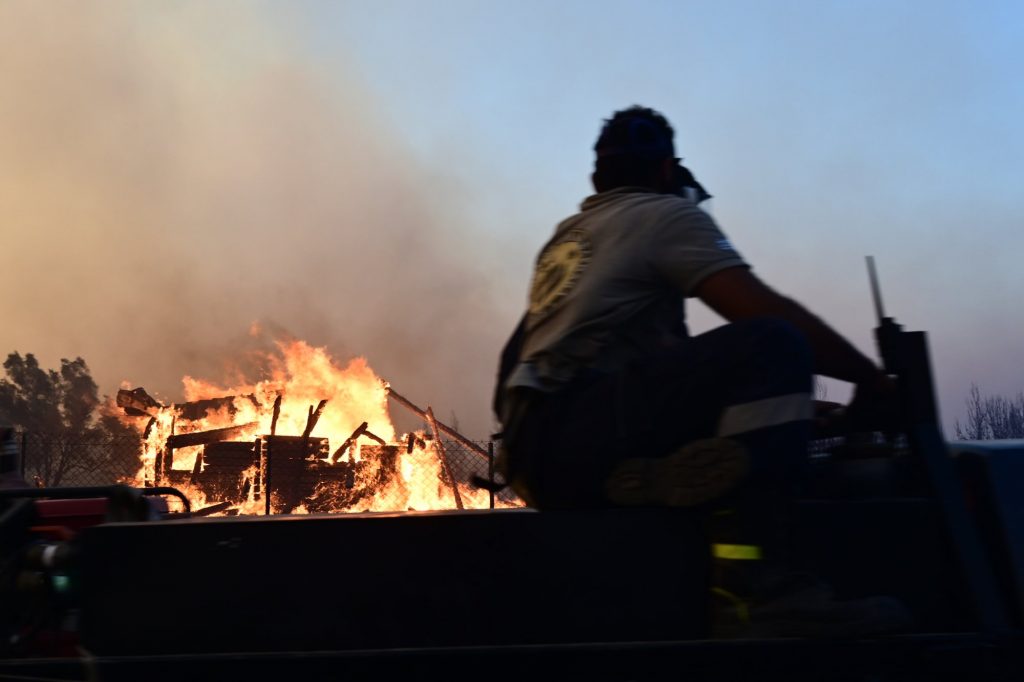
(876, 291)
(905, 356)
(887, 333)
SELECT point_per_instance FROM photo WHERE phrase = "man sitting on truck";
(607, 401)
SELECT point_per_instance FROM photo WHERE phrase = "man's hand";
(874, 407)
(829, 419)
(875, 404)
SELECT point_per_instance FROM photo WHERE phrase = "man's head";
(636, 149)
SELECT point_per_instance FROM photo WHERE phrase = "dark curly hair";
(631, 148)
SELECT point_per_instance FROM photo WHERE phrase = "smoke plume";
(172, 173)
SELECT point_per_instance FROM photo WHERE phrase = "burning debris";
(265, 448)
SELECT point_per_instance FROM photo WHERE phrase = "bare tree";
(992, 417)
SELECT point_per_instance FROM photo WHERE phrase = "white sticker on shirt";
(558, 269)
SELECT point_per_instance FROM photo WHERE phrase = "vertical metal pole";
(268, 447)
(257, 485)
(490, 469)
(266, 480)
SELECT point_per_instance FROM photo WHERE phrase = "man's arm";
(737, 294)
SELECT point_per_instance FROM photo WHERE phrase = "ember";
(266, 447)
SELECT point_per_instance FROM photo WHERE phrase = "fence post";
(439, 447)
(257, 485)
(267, 484)
(490, 470)
(9, 451)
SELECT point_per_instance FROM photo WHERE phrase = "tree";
(992, 417)
(57, 412)
(39, 400)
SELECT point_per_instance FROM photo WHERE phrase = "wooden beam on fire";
(164, 459)
(277, 413)
(197, 468)
(184, 440)
(360, 430)
(422, 414)
(212, 509)
(137, 403)
(149, 428)
(169, 452)
(444, 458)
(374, 437)
(311, 420)
(314, 417)
(146, 481)
(158, 465)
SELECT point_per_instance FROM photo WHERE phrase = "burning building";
(311, 437)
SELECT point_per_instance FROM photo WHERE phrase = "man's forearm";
(736, 294)
(834, 356)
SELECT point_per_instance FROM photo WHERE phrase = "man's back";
(608, 288)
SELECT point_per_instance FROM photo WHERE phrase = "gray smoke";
(172, 173)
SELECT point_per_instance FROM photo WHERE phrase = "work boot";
(757, 592)
(801, 606)
(692, 475)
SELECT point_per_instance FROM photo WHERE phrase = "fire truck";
(99, 584)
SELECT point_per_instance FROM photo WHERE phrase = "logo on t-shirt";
(558, 269)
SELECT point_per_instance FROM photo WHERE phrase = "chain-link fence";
(53, 460)
(234, 477)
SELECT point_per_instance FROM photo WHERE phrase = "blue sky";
(826, 131)
(450, 137)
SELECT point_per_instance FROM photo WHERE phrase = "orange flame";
(304, 375)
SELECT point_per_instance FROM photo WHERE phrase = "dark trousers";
(567, 442)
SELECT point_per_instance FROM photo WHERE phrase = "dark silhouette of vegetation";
(66, 440)
(992, 417)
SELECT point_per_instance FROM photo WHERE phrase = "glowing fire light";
(410, 478)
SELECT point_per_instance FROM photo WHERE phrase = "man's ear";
(668, 175)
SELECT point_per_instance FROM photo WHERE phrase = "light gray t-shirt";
(608, 288)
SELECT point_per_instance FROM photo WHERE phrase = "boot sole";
(696, 473)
